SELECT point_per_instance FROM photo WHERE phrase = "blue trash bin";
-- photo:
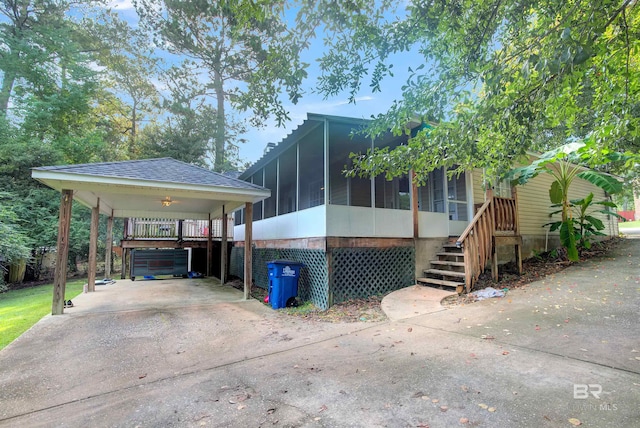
(283, 282)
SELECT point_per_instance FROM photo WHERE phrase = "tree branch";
(486, 28)
(626, 80)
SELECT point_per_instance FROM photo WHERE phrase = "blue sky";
(367, 103)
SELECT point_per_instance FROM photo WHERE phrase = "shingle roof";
(166, 170)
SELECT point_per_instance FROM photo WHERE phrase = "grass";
(20, 309)
(629, 224)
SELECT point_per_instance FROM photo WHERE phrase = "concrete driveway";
(191, 353)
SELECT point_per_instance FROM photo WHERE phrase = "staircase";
(459, 265)
(448, 270)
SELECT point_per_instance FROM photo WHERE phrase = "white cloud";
(121, 5)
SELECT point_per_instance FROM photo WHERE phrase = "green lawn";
(20, 309)
(629, 224)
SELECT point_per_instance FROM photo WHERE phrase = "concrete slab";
(201, 362)
(413, 301)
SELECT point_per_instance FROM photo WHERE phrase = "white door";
(457, 204)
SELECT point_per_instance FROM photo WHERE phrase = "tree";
(130, 65)
(240, 47)
(563, 164)
(14, 243)
(497, 78)
(41, 48)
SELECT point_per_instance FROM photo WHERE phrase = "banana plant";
(564, 164)
(584, 224)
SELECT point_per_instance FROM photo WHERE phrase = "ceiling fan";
(167, 201)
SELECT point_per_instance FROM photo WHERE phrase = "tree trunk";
(218, 163)
(5, 93)
(134, 119)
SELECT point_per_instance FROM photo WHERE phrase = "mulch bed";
(368, 310)
(534, 269)
(356, 310)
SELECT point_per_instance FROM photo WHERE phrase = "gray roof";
(166, 170)
(140, 188)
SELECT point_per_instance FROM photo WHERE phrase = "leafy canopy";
(499, 78)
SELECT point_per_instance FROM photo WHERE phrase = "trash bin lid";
(285, 262)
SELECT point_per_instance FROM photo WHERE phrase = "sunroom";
(356, 236)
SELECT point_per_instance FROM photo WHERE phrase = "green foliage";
(499, 78)
(14, 243)
(243, 48)
(563, 164)
(578, 230)
(629, 225)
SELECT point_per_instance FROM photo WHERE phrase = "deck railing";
(160, 229)
(497, 215)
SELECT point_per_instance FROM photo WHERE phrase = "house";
(359, 237)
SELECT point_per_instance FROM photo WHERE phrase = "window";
(502, 189)
(431, 194)
(393, 194)
(457, 196)
(353, 191)
(311, 152)
(288, 181)
(271, 183)
(257, 178)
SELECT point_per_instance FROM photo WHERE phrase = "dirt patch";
(534, 269)
(356, 310)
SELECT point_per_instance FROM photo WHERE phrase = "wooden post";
(468, 267)
(93, 247)
(209, 247)
(108, 247)
(329, 277)
(125, 251)
(516, 226)
(223, 248)
(414, 204)
(62, 254)
(494, 259)
(248, 251)
(123, 271)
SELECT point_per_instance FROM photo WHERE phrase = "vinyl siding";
(534, 204)
(478, 190)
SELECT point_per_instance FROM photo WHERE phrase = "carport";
(162, 188)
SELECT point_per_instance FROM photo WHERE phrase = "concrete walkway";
(413, 301)
(562, 350)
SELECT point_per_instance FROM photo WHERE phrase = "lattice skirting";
(365, 272)
(313, 282)
(356, 272)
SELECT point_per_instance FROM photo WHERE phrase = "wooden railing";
(497, 214)
(153, 228)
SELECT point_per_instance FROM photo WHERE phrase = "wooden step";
(447, 254)
(452, 246)
(459, 286)
(445, 272)
(439, 282)
(447, 263)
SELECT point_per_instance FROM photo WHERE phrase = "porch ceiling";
(137, 188)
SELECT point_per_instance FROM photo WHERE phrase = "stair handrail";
(497, 213)
(477, 242)
(467, 231)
